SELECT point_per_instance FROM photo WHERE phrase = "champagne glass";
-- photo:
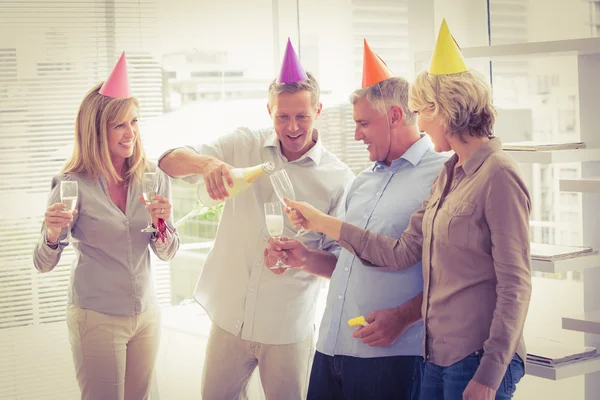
(68, 196)
(274, 219)
(283, 188)
(149, 189)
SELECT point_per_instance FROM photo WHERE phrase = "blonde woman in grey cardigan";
(112, 312)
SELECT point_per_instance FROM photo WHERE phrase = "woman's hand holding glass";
(56, 219)
(302, 214)
(283, 188)
(158, 207)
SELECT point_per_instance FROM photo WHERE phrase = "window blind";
(51, 54)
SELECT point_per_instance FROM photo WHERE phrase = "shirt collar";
(480, 155)
(413, 155)
(314, 153)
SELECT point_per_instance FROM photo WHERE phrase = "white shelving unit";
(588, 323)
(573, 47)
(588, 65)
(587, 52)
(556, 156)
(571, 264)
(589, 185)
(567, 370)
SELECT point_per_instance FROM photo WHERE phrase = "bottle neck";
(251, 173)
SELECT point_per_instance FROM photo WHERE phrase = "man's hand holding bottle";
(217, 174)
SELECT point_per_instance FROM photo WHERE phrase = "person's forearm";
(46, 258)
(167, 250)
(181, 163)
(411, 310)
(330, 226)
(320, 263)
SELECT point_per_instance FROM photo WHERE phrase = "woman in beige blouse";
(472, 236)
(113, 315)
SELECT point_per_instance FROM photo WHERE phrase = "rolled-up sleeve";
(507, 209)
(46, 258)
(221, 148)
(166, 250)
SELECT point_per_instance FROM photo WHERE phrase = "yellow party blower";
(358, 321)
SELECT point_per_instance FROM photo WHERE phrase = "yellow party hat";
(447, 58)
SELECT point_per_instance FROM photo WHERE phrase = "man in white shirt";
(260, 318)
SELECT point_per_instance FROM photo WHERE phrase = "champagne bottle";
(242, 178)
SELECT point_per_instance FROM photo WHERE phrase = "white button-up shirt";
(235, 287)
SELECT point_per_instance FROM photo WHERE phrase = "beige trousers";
(114, 356)
(284, 369)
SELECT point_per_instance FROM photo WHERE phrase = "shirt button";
(340, 297)
(378, 193)
(258, 264)
(365, 216)
(126, 222)
(346, 269)
(391, 173)
(252, 289)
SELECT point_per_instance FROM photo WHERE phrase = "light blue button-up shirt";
(381, 199)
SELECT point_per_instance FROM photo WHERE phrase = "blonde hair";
(91, 156)
(463, 100)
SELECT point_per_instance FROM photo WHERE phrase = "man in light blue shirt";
(383, 359)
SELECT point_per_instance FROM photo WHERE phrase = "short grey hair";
(388, 93)
(311, 84)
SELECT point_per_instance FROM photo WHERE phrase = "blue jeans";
(449, 383)
(345, 377)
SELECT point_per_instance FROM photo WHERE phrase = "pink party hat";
(117, 84)
(291, 69)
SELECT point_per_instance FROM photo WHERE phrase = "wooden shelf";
(590, 260)
(588, 322)
(548, 48)
(591, 185)
(567, 370)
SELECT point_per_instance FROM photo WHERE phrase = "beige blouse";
(472, 235)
